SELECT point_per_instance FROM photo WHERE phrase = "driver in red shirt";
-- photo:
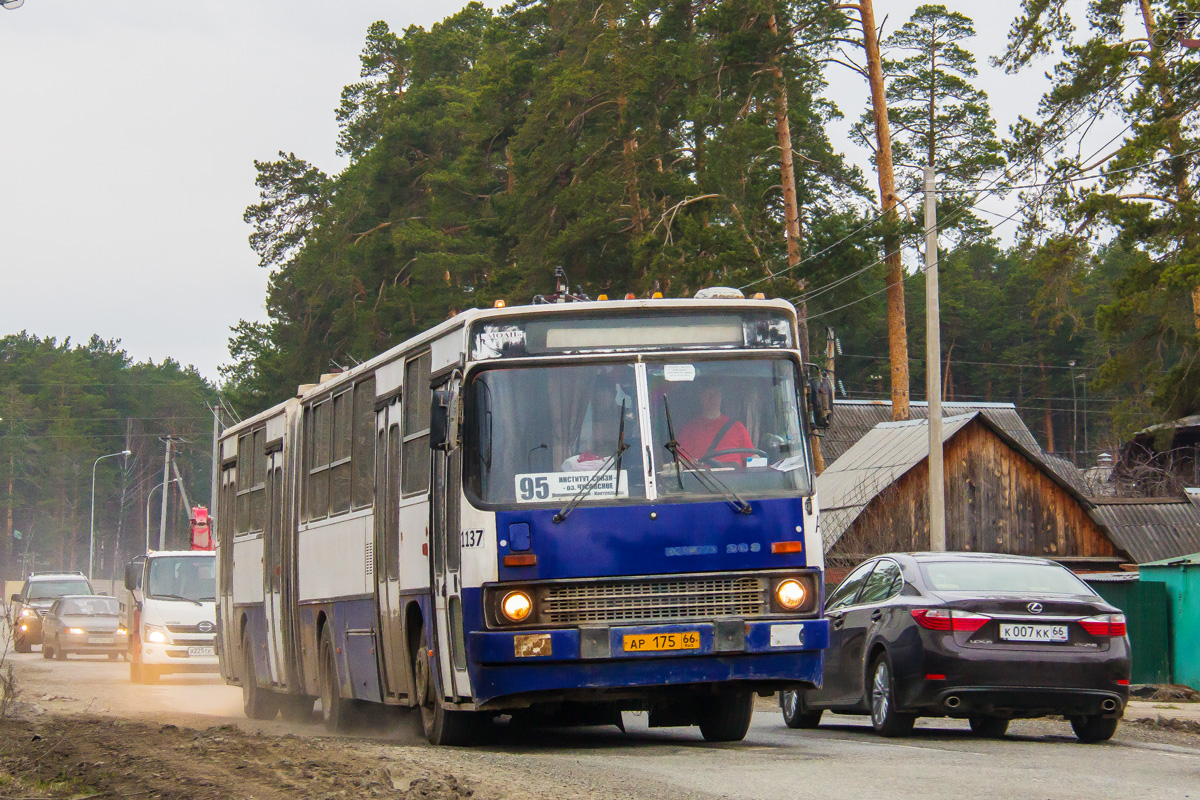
(711, 431)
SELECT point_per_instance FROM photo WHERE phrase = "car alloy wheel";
(885, 719)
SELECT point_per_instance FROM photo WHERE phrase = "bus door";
(445, 559)
(393, 653)
(273, 569)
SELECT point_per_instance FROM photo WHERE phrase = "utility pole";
(162, 522)
(1087, 451)
(933, 372)
(1074, 418)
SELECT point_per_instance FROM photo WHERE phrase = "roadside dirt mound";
(83, 757)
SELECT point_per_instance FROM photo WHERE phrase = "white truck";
(169, 608)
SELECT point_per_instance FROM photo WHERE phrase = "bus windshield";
(182, 578)
(735, 421)
(540, 434)
(547, 434)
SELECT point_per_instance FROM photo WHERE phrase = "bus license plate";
(100, 640)
(1033, 633)
(200, 651)
(647, 642)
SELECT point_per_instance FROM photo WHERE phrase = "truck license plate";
(1033, 633)
(200, 651)
(646, 642)
(100, 640)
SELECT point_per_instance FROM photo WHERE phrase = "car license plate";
(200, 651)
(100, 640)
(1033, 633)
(647, 642)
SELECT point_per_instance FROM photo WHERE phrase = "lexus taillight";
(943, 619)
(1104, 625)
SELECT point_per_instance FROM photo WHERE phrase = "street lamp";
(150, 494)
(92, 524)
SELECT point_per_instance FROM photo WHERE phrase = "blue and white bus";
(558, 511)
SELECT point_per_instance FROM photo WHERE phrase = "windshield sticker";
(495, 341)
(679, 372)
(544, 487)
(789, 464)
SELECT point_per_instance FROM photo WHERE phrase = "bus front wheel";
(726, 717)
(440, 725)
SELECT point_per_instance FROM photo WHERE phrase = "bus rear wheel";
(257, 702)
(336, 710)
(440, 725)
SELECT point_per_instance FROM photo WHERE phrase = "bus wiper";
(157, 596)
(704, 474)
(587, 487)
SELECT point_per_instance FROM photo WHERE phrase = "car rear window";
(90, 606)
(1001, 576)
(40, 590)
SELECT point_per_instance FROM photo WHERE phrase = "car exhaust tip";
(1109, 705)
(953, 701)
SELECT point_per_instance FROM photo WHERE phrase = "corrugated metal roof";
(870, 465)
(853, 418)
(1193, 559)
(1150, 529)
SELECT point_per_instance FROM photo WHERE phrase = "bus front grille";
(643, 601)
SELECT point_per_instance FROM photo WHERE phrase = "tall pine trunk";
(897, 333)
(791, 212)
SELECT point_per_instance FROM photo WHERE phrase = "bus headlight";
(790, 594)
(516, 606)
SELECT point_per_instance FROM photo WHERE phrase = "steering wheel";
(711, 459)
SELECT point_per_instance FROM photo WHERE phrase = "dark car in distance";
(30, 604)
(988, 638)
(83, 625)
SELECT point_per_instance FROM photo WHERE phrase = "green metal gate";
(1148, 614)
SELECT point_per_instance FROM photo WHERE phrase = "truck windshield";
(735, 420)
(186, 577)
(540, 434)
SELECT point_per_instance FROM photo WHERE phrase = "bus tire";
(257, 702)
(440, 725)
(726, 717)
(336, 710)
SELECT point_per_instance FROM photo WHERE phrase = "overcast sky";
(128, 131)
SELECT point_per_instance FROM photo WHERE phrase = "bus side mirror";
(820, 397)
(442, 430)
(131, 576)
(16, 598)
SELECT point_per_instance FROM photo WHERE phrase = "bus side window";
(414, 474)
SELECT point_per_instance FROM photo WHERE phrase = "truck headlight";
(28, 612)
(155, 635)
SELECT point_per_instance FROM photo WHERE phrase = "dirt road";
(90, 733)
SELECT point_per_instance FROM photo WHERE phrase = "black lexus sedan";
(989, 638)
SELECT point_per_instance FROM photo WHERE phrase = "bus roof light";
(630, 296)
(656, 296)
(602, 297)
(759, 296)
(498, 304)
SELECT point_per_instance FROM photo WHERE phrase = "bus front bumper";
(577, 661)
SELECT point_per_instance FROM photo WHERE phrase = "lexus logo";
(207, 627)
(1034, 608)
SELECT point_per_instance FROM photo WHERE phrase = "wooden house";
(1001, 497)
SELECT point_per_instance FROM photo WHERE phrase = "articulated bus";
(555, 512)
